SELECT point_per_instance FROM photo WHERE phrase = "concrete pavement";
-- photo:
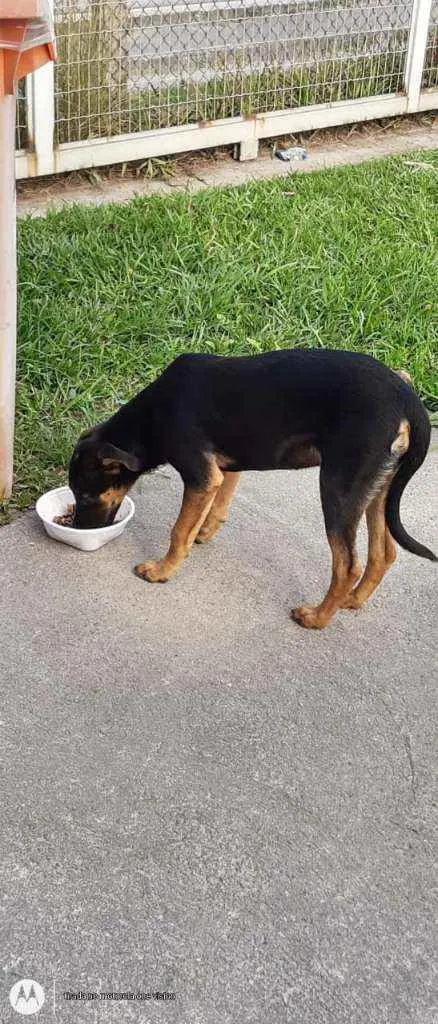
(200, 797)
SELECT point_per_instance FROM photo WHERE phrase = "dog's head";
(100, 474)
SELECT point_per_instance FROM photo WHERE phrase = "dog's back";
(250, 407)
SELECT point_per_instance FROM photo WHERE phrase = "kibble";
(67, 518)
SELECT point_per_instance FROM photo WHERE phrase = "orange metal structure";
(26, 43)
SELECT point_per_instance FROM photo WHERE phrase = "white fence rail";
(138, 78)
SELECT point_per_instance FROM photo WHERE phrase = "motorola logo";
(26, 997)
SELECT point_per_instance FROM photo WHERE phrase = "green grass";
(109, 295)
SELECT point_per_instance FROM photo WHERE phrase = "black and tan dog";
(212, 417)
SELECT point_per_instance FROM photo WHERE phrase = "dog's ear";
(113, 457)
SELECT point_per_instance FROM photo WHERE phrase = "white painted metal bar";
(428, 100)
(8, 293)
(248, 150)
(232, 131)
(40, 117)
(29, 110)
(328, 115)
(416, 52)
(40, 108)
(158, 80)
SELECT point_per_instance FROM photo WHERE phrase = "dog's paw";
(153, 572)
(308, 617)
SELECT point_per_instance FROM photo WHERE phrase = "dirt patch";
(195, 171)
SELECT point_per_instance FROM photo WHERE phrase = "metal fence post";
(40, 116)
(122, 100)
(8, 293)
(416, 52)
(247, 150)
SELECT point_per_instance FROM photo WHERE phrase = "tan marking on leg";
(343, 579)
(381, 552)
(194, 509)
(390, 549)
(400, 444)
(219, 509)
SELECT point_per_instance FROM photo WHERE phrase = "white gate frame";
(242, 132)
(416, 53)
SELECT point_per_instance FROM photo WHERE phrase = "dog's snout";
(93, 516)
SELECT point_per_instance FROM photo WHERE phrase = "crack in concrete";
(408, 748)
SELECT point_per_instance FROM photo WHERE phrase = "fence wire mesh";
(20, 123)
(131, 65)
(430, 71)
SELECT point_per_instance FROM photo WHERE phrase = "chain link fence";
(21, 122)
(131, 66)
(430, 71)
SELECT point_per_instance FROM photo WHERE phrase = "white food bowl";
(54, 503)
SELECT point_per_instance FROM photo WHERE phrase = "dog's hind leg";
(381, 547)
(345, 573)
(381, 551)
(345, 484)
(195, 507)
(219, 509)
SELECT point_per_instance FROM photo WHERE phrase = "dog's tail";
(411, 460)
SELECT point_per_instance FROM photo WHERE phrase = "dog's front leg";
(195, 507)
(219, 509)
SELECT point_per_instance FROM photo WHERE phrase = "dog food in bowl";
(56, 511)
(67, 518)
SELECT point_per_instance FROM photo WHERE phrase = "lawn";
(109, 295)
